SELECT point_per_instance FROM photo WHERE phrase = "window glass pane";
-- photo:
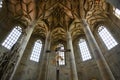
(0, 4)
(84, 50)
(12, 37)
(36, 51)
(107, 37)
(61, 54)
(117, 12)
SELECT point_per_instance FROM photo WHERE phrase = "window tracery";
(85, 53)
(12, 37)
(107, 38)
(36, 51)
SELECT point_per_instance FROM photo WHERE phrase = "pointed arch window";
(62, 55)
(36, 51)
(12, 37)
(85, 53)
(117, 12)
(107, 38)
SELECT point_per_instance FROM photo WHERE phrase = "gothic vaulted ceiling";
(57, 16)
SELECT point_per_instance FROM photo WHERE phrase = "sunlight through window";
(84, 50)
(12, 37)
(36, 51)
(107, 37)
(1, 4)
(61, 53)
(117, 12)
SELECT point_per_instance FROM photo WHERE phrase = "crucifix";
(57, 58)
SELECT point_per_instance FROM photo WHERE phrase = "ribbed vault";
(58, 35)
(57, 16)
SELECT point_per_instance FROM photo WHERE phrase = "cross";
(57, 57)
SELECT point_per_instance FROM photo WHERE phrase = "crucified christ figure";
(58, 58)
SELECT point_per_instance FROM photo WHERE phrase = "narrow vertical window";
(107, 37)
(85, 53)
(62, 55)
(12, 37)
(117, 12)
(1, 4)
(36, 51)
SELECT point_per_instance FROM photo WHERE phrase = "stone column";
(72, 57)
(100, 60)
(23, 45)
(44, 66)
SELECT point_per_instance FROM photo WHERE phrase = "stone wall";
(87, 70)
(27, 69)
(4, 32)
(64, 70)
(112, 55)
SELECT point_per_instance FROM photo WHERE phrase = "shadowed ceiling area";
(57, 16)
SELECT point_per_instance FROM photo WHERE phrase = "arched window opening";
(117, 12)
(1, 4)
(85, 53)
(12, 37)
(36, 51)
(61, 54)
(107, 38)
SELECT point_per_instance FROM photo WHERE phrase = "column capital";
(24, 32)
(84, 22)
(69, 35)
(48, 35)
